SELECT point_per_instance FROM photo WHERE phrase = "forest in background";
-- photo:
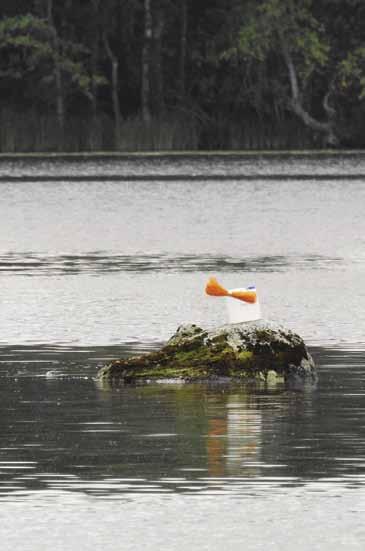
(123, 75)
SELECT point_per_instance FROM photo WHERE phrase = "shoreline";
(180, 177)
(104, 155)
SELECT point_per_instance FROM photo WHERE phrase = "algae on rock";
(258, 350)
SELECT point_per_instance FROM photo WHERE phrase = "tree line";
(181, 74)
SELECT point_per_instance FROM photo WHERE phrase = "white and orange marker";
(246, 305)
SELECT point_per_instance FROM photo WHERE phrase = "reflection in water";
(244, 435)
(178, 456)
(216, 446)
(67, 433)
(234, 438)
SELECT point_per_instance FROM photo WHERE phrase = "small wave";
(35, 264)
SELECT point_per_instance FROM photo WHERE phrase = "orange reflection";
(216, 444)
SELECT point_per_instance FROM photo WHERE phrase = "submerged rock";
(258, 350)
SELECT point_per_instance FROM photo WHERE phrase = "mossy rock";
(260, 350)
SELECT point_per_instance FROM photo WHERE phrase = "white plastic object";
(240, 311)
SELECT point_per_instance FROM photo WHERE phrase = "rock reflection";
(218, 429)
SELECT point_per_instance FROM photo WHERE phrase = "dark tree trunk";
(40, 9)
(146, 63)
(115, 90)
(182, 60)
(100, 8)
(95, 53)
(157, 99)
(60, 105)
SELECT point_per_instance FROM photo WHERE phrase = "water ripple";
(102, 263)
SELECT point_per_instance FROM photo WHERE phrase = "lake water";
(103, 258)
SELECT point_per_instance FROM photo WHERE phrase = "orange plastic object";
(246, 296)
(215, 289)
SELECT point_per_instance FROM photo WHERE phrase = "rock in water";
(258, 350)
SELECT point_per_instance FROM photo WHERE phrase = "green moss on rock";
(249, 351)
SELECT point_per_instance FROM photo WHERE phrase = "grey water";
(101, 259)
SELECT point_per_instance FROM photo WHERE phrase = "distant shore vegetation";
(139, 75)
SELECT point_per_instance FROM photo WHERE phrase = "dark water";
(92, 270)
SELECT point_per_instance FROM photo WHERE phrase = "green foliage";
(276, 24)
(25, 44)
(30, 51)
(289, 45)
(238, 89)
(352, 72)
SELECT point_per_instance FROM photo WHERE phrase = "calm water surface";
(104, 259)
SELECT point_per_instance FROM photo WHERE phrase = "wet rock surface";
(260, 350)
